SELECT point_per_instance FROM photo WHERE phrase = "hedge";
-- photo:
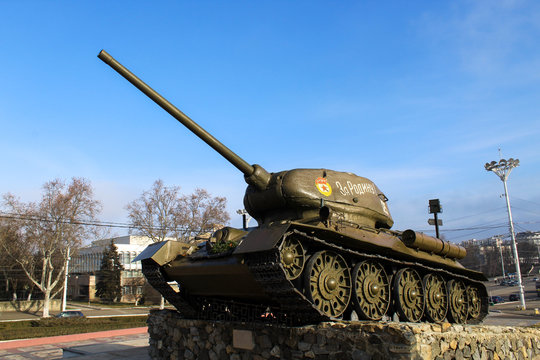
(54, 327)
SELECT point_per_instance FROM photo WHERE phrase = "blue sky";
(415, 95)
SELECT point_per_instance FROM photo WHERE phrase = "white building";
(88, 259)
(87, 262)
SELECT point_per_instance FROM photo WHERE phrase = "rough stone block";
(173, 337)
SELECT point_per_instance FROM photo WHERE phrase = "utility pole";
(64, 295)
(503, 169)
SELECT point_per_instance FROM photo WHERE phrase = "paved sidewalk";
(105, 345)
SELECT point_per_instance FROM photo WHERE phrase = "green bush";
(223, 247)
(54, 326)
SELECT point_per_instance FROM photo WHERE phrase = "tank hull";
(303, 274)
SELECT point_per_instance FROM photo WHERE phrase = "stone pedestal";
(172, 337)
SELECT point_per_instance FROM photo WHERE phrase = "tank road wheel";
(409, 295)
(474, 304)
(292, 258)
(371, 290)
(328, 282)
(458, 302)
(436, 298)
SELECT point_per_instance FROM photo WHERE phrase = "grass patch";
(55, 327)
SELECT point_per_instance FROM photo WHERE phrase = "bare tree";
(200, 213)
(137, 285)
(154, 213)
(163, 212)
(48, 229)
(11, 271)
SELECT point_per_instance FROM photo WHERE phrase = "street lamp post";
(64, 293)
(245, 217)
(499, 245)
(503, 169)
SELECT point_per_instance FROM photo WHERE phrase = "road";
(508, 313)
(88, 311)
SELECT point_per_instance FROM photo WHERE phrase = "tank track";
(292, 306)
(155, 277)
(288, 305)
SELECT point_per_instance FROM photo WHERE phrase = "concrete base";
(172, 337)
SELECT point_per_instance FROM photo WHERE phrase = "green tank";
(323, 250)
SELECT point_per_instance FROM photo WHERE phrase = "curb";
(10, 344)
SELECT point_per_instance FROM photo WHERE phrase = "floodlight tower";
(503, 169)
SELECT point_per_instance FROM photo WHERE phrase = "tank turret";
(308, 195)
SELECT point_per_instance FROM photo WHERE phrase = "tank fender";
(261, 239)
(164, 251)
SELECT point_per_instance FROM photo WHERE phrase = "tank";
(323, 249)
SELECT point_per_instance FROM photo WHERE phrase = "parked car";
(70, 314)
(496, 299)
(513, 297)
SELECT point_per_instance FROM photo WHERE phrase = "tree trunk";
(6, 281)
(46, 303)
(162, 303)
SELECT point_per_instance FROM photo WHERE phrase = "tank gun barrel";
(254, 174)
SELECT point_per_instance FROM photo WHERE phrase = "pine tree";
(109, 287)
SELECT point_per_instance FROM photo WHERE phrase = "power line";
(110, 224)
(96, 223)
(532, 202)
(467, 235)
(482, 213)
(526, 210)
(72, 222)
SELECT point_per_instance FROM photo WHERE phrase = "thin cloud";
(479, 141)
(489, 38)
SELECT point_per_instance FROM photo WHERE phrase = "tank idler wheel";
(436, 298)
(328, 283)
(409, 295)
(458, 302)
(474, 303)
(292, 257)
(371, 290)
